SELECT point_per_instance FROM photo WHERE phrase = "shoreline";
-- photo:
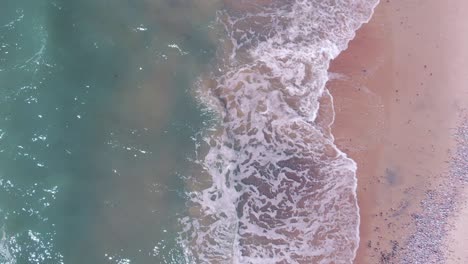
(398, 89)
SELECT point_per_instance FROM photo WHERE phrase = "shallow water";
(172, 131)
(281, 191)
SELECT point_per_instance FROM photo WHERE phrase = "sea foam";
(279, 190)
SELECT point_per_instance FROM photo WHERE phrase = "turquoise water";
(97, 122)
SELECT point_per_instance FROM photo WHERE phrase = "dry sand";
(398, 91)
(458, 237)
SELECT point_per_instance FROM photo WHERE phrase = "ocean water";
(97, 123)
(280, 191)
(173, 131)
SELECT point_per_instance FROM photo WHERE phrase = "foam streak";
(281, 191)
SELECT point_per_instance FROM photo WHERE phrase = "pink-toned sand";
(398, 92)
(457, 240)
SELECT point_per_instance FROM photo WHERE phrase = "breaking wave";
(272, 187)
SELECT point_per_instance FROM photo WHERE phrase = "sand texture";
(400, 91)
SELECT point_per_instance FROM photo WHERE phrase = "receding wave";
(272, 187)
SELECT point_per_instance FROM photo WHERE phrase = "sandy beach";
(400, 93)
(457, 240)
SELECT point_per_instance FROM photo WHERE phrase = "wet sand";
(398, 92)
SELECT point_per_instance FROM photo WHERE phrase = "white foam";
(5, 256)
(281, 191)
